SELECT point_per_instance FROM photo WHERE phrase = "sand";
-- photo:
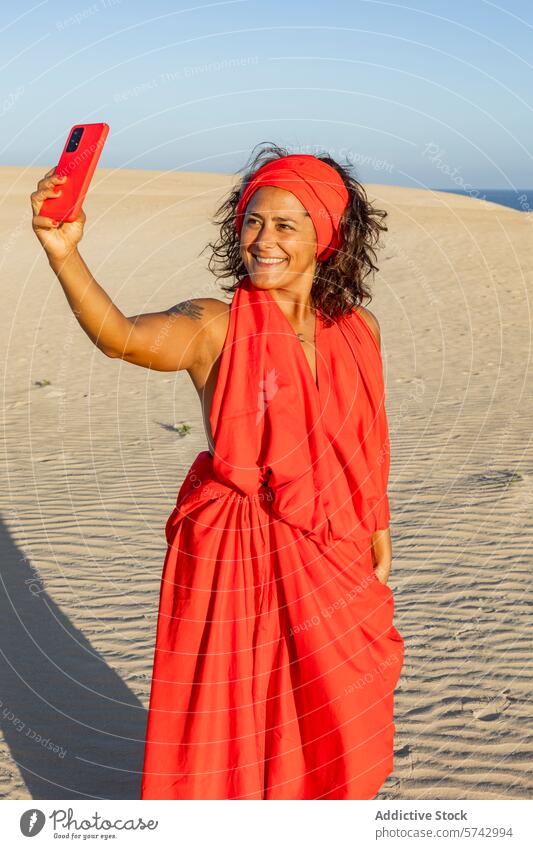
(93, 465)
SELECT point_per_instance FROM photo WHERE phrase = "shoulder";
(214, 320)
(207, 313)
(199, 309)
(215, 310)
(200, 321)
(372, 322)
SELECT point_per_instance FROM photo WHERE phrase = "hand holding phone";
(58, 217)
(77, 162)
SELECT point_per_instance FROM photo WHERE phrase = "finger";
(50, 193)
(52, 181)
(37, 201)
(44, 223)
(39, 197)
(46, 184)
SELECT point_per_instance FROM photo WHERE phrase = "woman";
(276, 657)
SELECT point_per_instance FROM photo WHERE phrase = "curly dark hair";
(339, 283)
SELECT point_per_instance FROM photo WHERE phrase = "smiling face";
(277, 227)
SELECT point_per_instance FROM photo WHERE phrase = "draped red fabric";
(318, 186)
(276, 655)
(327, 447)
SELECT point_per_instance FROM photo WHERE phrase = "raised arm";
(170, 340)
(174, 339)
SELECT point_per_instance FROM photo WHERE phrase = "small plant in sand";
(41, 383)
(182, 429)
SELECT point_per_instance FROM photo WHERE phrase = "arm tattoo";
(188, 308)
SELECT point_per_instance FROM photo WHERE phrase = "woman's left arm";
(382, 554)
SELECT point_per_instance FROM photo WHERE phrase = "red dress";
(276, 656)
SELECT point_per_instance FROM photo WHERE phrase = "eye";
(251, 220)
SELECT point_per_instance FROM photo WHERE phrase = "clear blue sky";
(428, 93)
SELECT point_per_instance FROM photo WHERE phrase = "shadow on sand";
(73, 727)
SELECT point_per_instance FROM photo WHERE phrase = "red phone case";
(78, 165)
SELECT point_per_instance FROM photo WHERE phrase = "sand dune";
(93, 466)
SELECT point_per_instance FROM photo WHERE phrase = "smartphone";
(77, 162)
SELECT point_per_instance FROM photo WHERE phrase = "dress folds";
(276, 657)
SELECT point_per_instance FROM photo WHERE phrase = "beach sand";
(93, 465)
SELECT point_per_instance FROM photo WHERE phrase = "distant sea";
(521, 199)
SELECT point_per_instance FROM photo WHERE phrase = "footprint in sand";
(488, 709)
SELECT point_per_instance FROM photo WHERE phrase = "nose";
(266, 237)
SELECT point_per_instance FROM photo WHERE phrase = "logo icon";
(268, 388)
(31, 822)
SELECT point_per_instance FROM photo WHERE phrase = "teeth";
(270, 261)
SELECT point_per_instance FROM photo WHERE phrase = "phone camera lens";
(74, 140)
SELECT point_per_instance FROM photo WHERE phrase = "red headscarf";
(317, 185)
